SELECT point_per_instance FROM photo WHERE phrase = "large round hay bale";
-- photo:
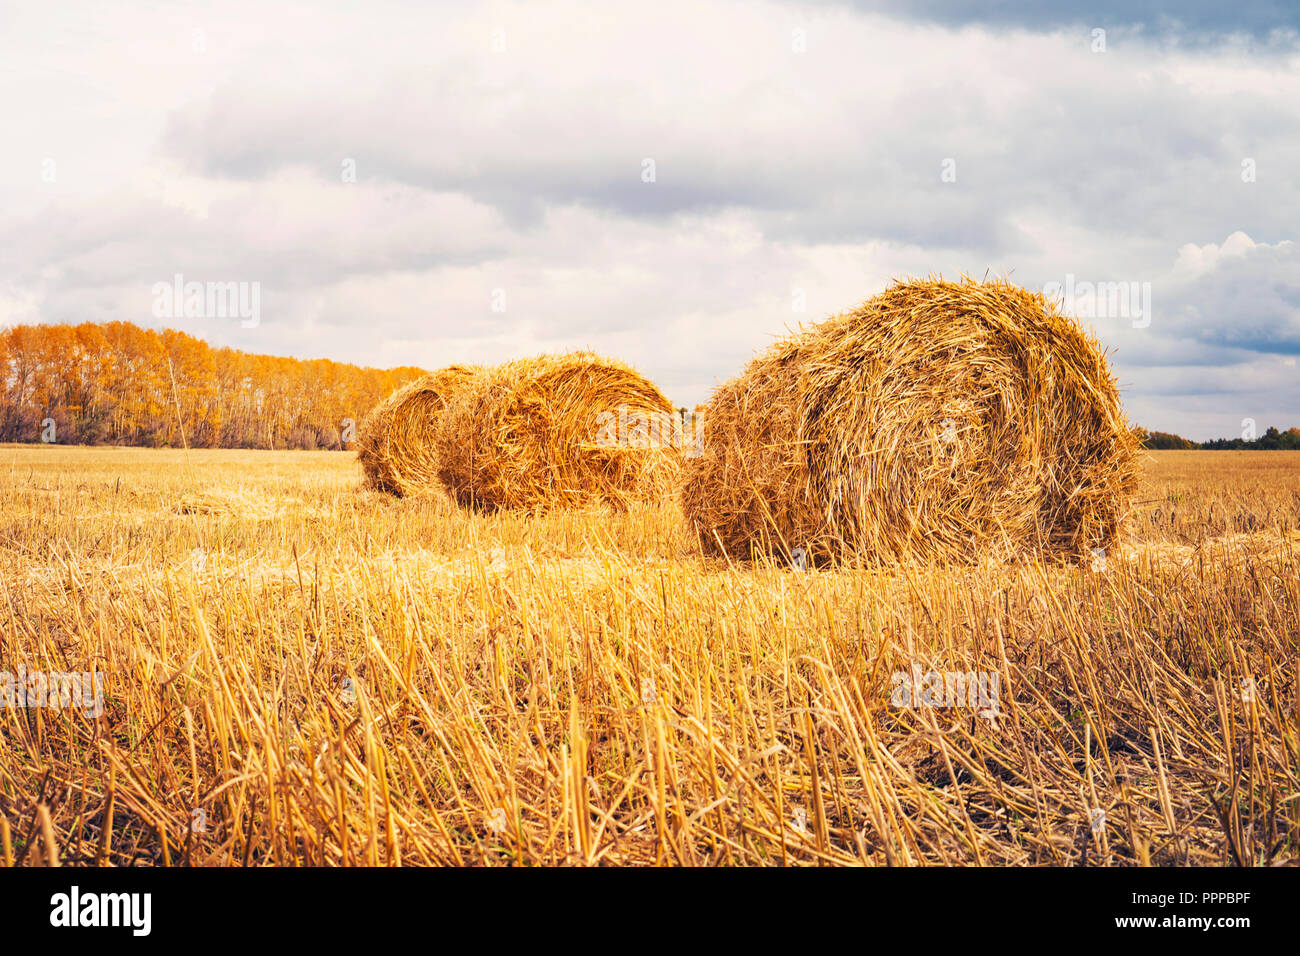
(396, 443)
(937, 421)
(558, 430)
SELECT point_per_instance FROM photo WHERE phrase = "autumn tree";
(122, 384)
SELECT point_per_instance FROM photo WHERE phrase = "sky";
(676, 184)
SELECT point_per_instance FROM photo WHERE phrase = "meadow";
(297, 671)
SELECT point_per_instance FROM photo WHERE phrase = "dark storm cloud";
(1112, 145)
(1187, 20)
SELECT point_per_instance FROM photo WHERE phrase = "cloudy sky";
(672, 183)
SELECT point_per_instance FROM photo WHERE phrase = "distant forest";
(118, 384)
(1271, 440)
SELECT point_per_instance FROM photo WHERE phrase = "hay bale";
(396, 443)
(937, 421)
(544, 432)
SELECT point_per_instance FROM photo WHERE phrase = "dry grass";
(939, 421)
(588, 688)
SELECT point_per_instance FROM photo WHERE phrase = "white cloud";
(1194, 259)
(521, 170)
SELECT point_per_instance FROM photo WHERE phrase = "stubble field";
(300, 672)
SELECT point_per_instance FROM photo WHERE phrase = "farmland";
(299, 671)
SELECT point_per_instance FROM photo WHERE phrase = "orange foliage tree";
(117, 383)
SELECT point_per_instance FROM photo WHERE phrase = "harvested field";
(343, 677)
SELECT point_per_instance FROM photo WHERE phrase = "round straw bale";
(396, 443)
(937, 421)
(558, 430)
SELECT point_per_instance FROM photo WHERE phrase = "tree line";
(1273, 439)
(116, 383)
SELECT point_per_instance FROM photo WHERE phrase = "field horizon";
(297, 671)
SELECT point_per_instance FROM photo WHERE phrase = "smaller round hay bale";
(558, 431)
(937, 421)
(396, 442)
